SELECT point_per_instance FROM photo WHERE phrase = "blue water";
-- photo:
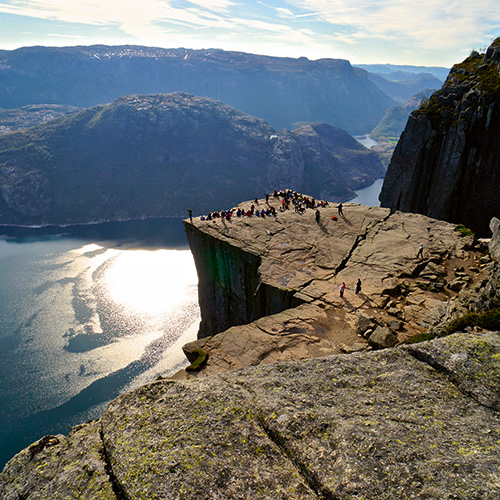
(369, 195)
(86, 313)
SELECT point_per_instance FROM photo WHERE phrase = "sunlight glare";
(151, 282)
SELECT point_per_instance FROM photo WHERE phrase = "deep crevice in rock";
(309, 477)
(422, 357)
(357, 241)
(115, 485)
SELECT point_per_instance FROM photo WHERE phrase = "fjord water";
(88, 312)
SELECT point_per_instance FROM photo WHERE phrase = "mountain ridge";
(150, 156)
(284, 91)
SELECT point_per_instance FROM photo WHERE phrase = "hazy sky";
(424, 32)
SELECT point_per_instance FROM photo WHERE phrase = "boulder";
(382, 338)
(494, 244)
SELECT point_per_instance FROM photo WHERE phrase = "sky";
(427, 32)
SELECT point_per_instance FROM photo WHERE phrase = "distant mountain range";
(399, 72)
(286, 92)
(157, 155)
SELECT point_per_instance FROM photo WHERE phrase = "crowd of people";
(290, 200)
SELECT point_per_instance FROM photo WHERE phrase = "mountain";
(283, 91)
(157, 155)
(447, 162)
(394, 121)
(403, 87)
(399, 71)
(12, 120)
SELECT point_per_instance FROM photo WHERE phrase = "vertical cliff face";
(231, 289)
(447, 162)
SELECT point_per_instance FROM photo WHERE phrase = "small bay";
(88, 312)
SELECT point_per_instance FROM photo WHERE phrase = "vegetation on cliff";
(447, 162)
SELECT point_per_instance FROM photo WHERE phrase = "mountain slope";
(394, 121)
(155, 156)
(283, 91)
(12, 120)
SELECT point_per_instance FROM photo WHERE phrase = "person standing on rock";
(342, 288)
(339, 208)
(190, 212)
(420, 253)
(358, 287)
(318, 216)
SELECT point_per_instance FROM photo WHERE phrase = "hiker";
(339, 208)
(358, 287)
(420, 252)
(318, 216)
(342, 288)
(190, 212)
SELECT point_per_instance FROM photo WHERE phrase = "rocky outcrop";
(447, 162)
(283, 91)
(144, 156)
(255, 271)
(420, 421)
(415, 421)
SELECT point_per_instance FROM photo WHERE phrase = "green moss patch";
(489, 320)
(201, 359)
(464, 231)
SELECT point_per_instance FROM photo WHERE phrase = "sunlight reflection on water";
(151, 282)
(82, 323)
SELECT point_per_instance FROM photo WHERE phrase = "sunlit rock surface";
(269, 286)
(412, 422)
(416, 421)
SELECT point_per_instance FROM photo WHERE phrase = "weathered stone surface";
(415, 422)
(58, 467)
(253, 267)
(306, 331)
(363, 323)
(472, 363)
(382, 338)
(494, 244)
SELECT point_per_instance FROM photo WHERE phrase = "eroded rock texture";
(269, 286)
(411, 422)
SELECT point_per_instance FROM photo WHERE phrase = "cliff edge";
(417, 421)
(269, 286)
(448, 158)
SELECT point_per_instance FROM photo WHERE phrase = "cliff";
(279, 277)
(447, 162)
(417, 421)
(283, 91)
(144, 156)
